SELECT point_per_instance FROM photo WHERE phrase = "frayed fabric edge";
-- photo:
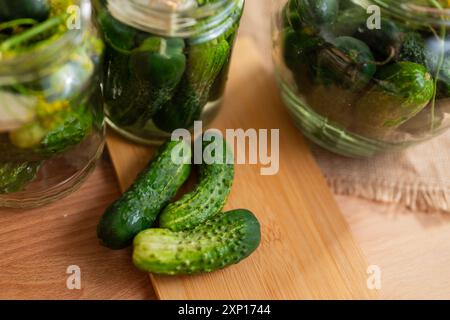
(415, 197)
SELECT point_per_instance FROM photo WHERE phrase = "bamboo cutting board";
(307, 250)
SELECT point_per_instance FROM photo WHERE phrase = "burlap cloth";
(418, 178)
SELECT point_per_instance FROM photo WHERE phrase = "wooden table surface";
(411, 249)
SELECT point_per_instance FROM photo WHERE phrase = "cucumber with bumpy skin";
(210, 195)
(223, 240)
(140, 205)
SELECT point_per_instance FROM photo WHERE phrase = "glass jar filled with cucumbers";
(51, 112)
(362, 77)
(166, 62)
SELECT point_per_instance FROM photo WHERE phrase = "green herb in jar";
(59, 118)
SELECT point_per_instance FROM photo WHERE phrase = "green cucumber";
(18, 9)
(413, 49)
(153, 72)
(401, 91)
(204, 64)
(14, 176)
(210, 195)
(316, 13)
(116, 34)
(349, 64)
(140, 205)
(221, 241)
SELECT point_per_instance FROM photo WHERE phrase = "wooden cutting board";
(307, 250)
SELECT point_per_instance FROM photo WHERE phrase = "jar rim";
(185, 22)
(167, 10)
(433, 13)
(27, 63)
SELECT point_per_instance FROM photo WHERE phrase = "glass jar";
(363, 77)
(166, 63)
(51, 117)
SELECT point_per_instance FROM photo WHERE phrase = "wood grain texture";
(38, 245)
(410, 248)
(307, 249)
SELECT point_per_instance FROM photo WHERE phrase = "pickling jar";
(364, 77)
(51, 112)
(166, 63)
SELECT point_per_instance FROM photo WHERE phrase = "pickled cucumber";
(17, 9)
(204, 64)
(402, 90)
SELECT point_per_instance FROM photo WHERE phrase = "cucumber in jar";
(290, 15)
(116, 34)
(38, 10)
(383, 41)
(317, 13)
(348, 63)
(204, 64)
(157, 67)
(299, 48)
(401, 91)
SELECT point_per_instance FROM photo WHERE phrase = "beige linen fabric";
(418, 178)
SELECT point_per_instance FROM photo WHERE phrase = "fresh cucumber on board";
(209, 196)
(194, 235)
(221, 241)
(140, 205)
